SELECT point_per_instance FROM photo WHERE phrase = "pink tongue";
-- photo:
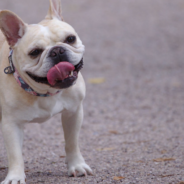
(59, 72)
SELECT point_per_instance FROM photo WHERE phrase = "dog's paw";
(81, 169)
(13, 179)
(78, 167)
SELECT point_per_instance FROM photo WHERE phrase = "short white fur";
(18, 107)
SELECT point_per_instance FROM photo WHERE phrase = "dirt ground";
(134, 110)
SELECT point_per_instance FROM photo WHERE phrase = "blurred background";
(134, 108)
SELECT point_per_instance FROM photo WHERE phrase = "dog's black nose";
(57, 52)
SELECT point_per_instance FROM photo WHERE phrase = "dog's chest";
(44, 109)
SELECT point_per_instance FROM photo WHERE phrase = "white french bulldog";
(40, 77)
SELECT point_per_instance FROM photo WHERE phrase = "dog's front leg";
(13, 138)
(74, 159)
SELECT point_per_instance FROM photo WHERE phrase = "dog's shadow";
(3, 172)
(36, 177)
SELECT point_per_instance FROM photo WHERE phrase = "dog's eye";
(36, 52)
(70, 39)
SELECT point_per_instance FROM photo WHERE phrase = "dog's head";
(47, 55)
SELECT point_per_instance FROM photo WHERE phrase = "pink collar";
(12, 70)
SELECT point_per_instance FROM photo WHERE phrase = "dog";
(40, 77)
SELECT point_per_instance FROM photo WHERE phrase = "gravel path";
(134, 111)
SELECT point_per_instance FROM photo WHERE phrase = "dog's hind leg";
(13, 138)
(74, 159)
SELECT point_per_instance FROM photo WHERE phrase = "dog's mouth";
(62, 75)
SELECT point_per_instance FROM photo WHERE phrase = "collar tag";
(10, 69)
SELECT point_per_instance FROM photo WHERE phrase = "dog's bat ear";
(12, 27)
(55, 10)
